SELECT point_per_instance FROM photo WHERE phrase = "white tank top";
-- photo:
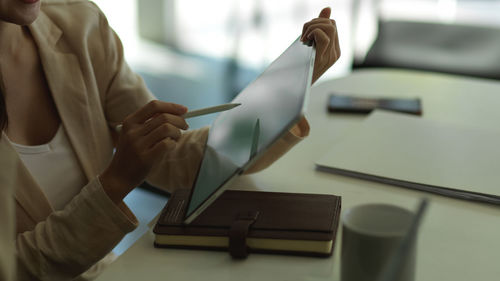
(55, 168)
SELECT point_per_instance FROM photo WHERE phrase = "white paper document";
(423, 154)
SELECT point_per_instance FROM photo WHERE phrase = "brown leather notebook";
(251, 221)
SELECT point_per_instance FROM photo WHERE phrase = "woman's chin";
(22, 13)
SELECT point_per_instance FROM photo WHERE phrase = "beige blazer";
(7, 215)
(93, 89)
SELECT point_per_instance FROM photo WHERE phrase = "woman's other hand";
(323, 31)
(145, 137)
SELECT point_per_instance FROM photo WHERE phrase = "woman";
(66, 86)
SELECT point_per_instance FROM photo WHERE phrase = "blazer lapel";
(28, 193)
(65, 80)
(66, 83)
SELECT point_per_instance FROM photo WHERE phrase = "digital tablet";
(270, 106)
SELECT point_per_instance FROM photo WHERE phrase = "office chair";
(439, 47)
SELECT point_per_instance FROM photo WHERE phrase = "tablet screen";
(270, 106)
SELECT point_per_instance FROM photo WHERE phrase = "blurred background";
(201, 53)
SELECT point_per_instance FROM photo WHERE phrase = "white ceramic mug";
(370, 235)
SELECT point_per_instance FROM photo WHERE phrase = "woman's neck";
(12, 38)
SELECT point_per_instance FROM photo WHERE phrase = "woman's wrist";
(114, 187)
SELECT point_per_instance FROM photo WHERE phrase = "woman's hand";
(323, 31)
(145, 137)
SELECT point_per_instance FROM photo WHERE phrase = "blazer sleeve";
(179, 168)
(73, 239)
(122, 90)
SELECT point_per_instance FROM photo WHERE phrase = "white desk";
(459, 240)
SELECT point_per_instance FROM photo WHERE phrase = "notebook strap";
(238, 234)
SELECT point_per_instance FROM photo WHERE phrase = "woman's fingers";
(325, 13)
(164, 118)
(326, 27)
(151, 124)
(315, 21)
(160, 133)
(154, 108)
(146, 136)
(323, 31)
(322, 41)
(161, 147)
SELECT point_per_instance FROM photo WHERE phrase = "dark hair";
(3, 108)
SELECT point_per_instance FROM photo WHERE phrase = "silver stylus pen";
(201, 111)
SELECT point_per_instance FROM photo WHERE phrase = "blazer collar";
(46, 33)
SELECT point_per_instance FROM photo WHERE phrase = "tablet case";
(251, 221)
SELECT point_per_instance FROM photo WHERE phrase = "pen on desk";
(396, 262)
(201, 111)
